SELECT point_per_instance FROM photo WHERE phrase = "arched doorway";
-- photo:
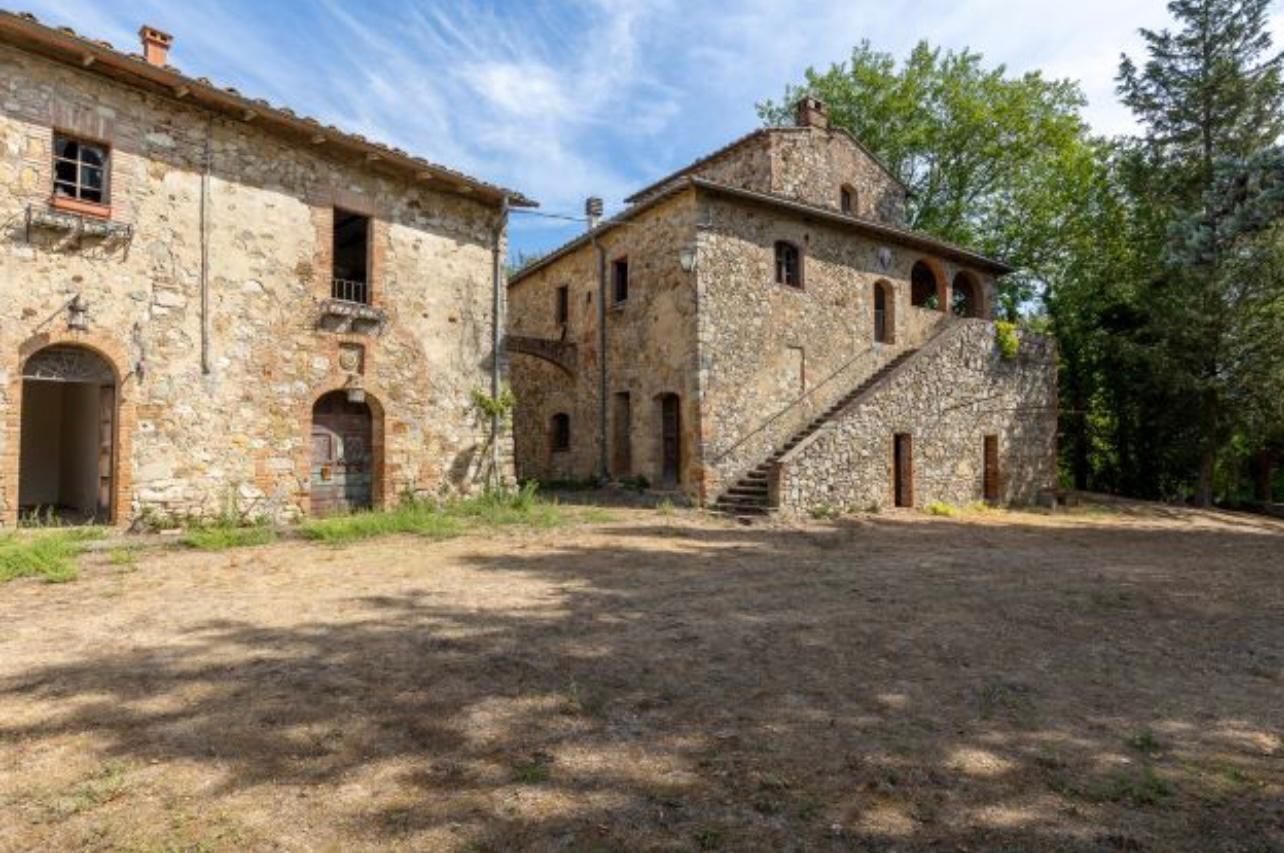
(343, 459)
(670, 441)
(884, 313)
(965, 301)
(67, 460)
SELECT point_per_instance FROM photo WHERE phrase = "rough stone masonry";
(167, 335)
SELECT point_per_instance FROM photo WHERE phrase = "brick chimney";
(811, 111)
(156, 45)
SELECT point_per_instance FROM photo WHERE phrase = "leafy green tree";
(994, 162)
(1208, 95)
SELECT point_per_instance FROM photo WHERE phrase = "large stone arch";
(125, 379)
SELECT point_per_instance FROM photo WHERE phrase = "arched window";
(561, 432)
(788, 264)
(965, 301)
(884, 313)
(924, 287)
(847, 199)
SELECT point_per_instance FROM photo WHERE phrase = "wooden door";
(903, 469)
(991, 478)
(622, 461)
(342, 462)
(671, 439)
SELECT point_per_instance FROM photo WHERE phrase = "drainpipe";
(501, 226)
(205, 247)
(603, 470)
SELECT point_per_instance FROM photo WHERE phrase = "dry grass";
(661, 681)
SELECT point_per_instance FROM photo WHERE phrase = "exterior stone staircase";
(750, 495)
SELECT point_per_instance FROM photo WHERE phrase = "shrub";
(1007, 339)
(942, 509)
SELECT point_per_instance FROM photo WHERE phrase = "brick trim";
(123, 425)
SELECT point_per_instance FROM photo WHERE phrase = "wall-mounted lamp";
(687, 258)
(78, 314)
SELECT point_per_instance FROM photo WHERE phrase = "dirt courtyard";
(662, 681)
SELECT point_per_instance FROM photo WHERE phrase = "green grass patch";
(220, 538)
(49, 555)
(523, 508)
(942, 509)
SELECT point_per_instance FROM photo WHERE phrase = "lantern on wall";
(356, 388)
(78, 314)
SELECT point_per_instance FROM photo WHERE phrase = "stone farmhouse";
(761, 331)
(212, 304)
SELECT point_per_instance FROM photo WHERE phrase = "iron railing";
(350, 291)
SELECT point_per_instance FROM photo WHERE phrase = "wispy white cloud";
(566, 98)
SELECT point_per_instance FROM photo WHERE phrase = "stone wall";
(948, 397)
(813, 164)
(807, 164)
(190, 441)
(754, 333)
(650, 351)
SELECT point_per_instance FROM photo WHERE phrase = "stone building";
(211, 304)
(761, 331)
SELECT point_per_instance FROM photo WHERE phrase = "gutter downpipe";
(601, 346)
(496, 337)
(206, 168)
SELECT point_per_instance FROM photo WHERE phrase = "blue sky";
(566, 99)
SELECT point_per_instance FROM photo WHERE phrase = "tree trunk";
(1204, 492)
(1263, 476)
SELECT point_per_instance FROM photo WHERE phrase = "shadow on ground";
(667, 684)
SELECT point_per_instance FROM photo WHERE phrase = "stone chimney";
(811, 111)
(156, 45)
(593, 211)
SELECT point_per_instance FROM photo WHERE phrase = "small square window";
(80, 170)
(620, 280)
(847, 200)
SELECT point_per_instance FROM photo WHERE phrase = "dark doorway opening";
(903, 469)
(991, 477)
(342, 455)
(882, 316)
(670, 441)
(67, 461)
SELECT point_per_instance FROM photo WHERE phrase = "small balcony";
(347, 290)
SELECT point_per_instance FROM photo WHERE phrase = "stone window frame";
(888, 290)
(74, 203)
(848, 199)
(562, 305)
(559, 432)
(618, 264)
(778, 274)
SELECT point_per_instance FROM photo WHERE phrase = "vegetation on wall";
(1157, 260)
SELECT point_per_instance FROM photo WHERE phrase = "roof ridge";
(94, 50)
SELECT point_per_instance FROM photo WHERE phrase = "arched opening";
(67, 463)
(789, 271)
(884, 313)
(925, 287)
(670, 440)
(965, 300)
(344, 464)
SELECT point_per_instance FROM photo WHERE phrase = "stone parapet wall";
(948, 397)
